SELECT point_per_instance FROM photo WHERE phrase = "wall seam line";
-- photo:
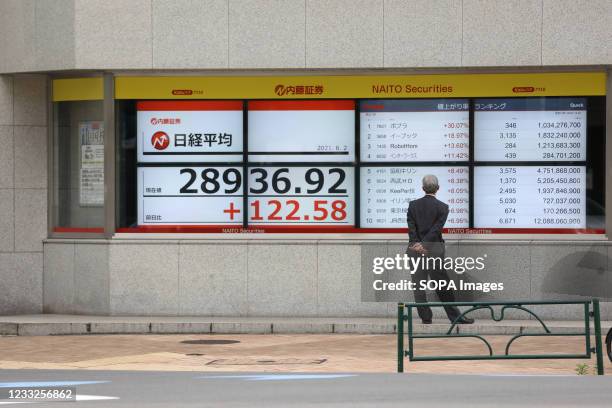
(461, 32)
(228, 36)
(542, 33)
(74, 272)
(383, 33)
(42, 283)
(305, 33)
(74, 51)
(318, 312)
(178, 278)
(14, 160)
(35, 59)
(152, 31)
(21, 252)
(530, 274)
(247, 278)
(108, 281)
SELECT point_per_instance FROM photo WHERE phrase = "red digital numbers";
(289, 210)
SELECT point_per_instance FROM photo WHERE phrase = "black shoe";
(426, 321)
(464, 320)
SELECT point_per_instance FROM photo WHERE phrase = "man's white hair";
(430, 184)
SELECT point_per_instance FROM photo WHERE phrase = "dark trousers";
(439, 275)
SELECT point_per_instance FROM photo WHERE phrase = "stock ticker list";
(530, 196)
(386, 192)
(414, 130)
(544, 133)
(530, 129)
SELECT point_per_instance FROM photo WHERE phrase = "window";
(78, 166)
(352, 165)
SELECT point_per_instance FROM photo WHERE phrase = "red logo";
(518, 89)
(165, 121)
(160, 140)
(182, 92)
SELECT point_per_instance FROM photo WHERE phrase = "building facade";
(78, 77)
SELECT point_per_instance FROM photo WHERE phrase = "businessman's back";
(426, 218)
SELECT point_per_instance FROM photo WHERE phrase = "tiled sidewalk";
(276, 353)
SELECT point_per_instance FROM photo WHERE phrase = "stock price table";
(386, 192)
(530, 196)
(530, 129)
(414, 130)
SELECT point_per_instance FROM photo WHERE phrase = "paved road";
(191, 389)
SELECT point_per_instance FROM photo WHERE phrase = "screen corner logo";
(282, 90)
(527, 89)
(182, 92)
(160, 140)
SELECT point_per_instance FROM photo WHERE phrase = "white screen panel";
(302, 131)
(188, 195)
(189, 131)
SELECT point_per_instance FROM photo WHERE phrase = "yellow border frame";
(363, 86)
(78, 89)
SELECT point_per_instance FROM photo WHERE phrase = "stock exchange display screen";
(301, 191)
(504, 164)
(530, 129)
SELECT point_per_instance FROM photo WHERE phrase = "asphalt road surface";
(193, 389)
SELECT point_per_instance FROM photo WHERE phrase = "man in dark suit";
(426, 218)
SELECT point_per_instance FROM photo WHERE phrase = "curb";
(267, 327)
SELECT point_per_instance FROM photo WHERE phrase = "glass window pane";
(78, 196)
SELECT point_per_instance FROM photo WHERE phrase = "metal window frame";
(608, 158)
(109, 145)
(110, 181)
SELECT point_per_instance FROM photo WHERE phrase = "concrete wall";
(37, 35)
(23, 191)
(263, 277)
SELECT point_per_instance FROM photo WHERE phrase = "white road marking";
(279, 377)
(79, 398)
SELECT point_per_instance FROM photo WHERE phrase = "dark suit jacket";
(426, 218)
